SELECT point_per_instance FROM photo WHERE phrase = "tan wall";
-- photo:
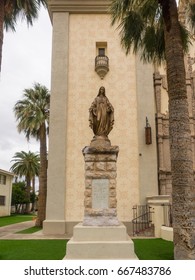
(121, 89)
(128, 86)
(6, 190)
(148, 183)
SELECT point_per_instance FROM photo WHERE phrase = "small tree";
(27, 165)
(18, 195)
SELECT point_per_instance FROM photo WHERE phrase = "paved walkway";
(9, 232)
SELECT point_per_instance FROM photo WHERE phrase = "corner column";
(56, 190)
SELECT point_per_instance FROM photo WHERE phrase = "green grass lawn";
(30, 230)
(13, 219)
(146, 249)
(32, 249)
(153, 249)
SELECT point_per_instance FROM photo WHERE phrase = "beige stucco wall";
(84, 83)
(121, 89)
(167, 233)
(148, 183)
(6, 190)
(75, 84)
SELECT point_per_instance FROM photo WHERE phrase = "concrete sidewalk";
(9, 232)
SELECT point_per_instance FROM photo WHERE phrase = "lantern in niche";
(148, 133)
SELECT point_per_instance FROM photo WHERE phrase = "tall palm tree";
(27, 165)
(152, 28)
(11, 10)
(32, 114)
(34, 194)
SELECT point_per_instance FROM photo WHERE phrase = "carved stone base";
(100, 183)
(100, 141)
(105, 217)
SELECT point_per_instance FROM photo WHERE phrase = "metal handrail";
(141, 218)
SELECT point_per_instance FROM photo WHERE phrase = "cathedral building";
(87, 54)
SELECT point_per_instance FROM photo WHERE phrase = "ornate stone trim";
(78, 6)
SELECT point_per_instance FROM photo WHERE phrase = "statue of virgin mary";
(101, 115)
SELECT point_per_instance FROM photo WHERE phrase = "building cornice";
(78, 6)
(4, 172)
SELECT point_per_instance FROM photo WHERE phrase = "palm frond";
(153, 45)
(190, 9)
(27, 10)
(185, 37)
(26, 164)
(141, 28)
(131, 29)
(119, 8)
(33, 110)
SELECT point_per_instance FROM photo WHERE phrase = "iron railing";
(101, 60)
(142, 219)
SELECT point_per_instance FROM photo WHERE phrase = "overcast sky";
(26, 59)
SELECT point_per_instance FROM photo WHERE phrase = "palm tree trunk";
(2, 11)
(183, 189)
(28, 188)
(33, 188)
(42, 177)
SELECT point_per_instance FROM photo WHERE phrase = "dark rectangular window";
(2, 179)
(2, 200)
(101, 51)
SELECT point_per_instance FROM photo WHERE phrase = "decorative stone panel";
(162, 125)
(100, 186)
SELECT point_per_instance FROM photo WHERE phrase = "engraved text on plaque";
(100, 193)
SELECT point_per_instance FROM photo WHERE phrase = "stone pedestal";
(100, 186)
(101, 235)
(100, 242)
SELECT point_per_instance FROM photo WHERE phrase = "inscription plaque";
(100, 193)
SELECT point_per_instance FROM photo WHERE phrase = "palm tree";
(152, 28)
(34, 194)
(32, 114)
(11, 10)
(27, 165)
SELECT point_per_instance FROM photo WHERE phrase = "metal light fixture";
(148, 133)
